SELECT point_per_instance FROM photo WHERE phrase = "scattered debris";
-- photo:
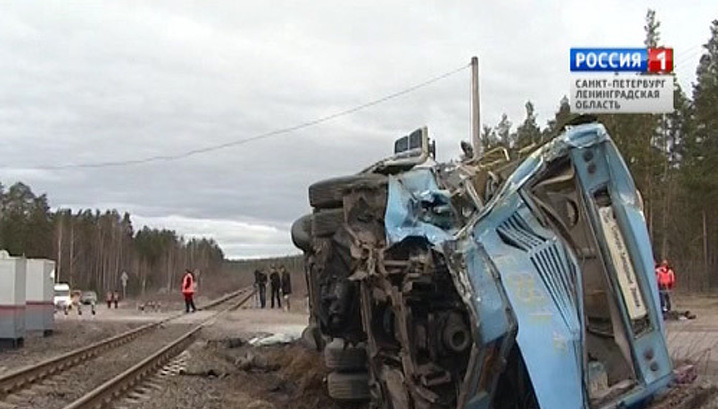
(210, 373)
(154, 306)
(679, 315)
(234, 342)
(255, 362)
(272, 339)
(310, 337)
(689, 397)
(685, 374)
(260, 404)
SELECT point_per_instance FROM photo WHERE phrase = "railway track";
(71, 379)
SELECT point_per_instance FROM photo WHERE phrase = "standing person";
(275, 283)
(286, 286)
(76, 302)
(116, 298)
(262, 289)
(108, 299)
(188, 291)
(666, 280)
(257, 277)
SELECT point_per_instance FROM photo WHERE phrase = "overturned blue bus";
(487, 282)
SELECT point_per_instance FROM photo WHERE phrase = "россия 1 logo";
(653, 60)
(621, 80)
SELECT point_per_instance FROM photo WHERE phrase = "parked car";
(88, 298)
(515, 279)
(61, 297)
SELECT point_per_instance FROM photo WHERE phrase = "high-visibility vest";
(666, 277)
(187, 284)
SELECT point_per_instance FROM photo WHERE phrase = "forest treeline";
(92, 248)
(673, 159)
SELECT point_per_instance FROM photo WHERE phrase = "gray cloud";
(126, 80)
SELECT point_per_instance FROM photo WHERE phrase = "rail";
(31, 374)
(106, 393)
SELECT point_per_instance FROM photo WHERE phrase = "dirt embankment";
(287, 376)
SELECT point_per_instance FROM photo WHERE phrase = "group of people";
(112, 298)
(280, 285)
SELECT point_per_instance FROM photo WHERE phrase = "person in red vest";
(188, 291)
(666, 281)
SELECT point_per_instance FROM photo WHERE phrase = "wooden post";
(475, 109)
(706, 276)
(59, 247)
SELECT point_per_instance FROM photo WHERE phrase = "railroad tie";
(7, 405)
(42, 388)
(15, 399)
(153, 384)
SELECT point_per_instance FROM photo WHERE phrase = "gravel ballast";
(68, 335)
(61, 389)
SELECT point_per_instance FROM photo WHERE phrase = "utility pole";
(58, 266)
(475, 111)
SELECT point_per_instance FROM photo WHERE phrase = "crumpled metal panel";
(578, 137)
(549, 343)
(497, 324)
(551, 260)
(417, 207)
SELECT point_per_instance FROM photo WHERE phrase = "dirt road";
(696, 340)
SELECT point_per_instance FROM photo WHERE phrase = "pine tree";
(503, 132)
(528, 132)
(488, 137)
(553, 126)
(653, 37)
(702, 152)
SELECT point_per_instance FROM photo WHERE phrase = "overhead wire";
(276, 132)
(686, 58)
(686, 51)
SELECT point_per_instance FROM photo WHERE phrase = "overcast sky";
(119, 80)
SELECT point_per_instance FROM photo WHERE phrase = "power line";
(686, 51)
(265, 135)
(686, 58)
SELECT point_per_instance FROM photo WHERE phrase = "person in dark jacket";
(260, 282)
(275, 282)
(286, 286)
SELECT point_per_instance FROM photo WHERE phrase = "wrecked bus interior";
(486, 282)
